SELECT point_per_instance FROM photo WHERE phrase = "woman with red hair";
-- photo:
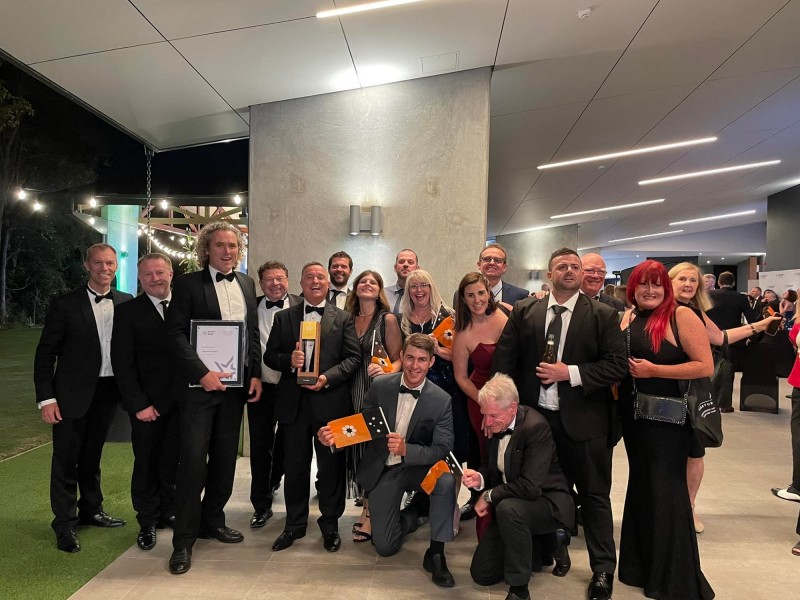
(666, 345)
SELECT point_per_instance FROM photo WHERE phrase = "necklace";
(369, 315)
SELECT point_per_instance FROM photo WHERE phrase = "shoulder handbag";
(702, 409)
(665, 409)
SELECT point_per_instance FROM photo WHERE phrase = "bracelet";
(752, 329)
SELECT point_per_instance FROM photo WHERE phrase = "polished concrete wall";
(419, 149)
(530, 251)
(783, 224)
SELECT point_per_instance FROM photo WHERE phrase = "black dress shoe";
(286, 539)
(331, 541)
(166, 522)
(146, 540)
(467, 512)
(180, 561)
(561, 553)
(101, 519)
(260, 518)
(436, 565)
(512, 596)
(226, 535)
(68, 542)
(601, 586)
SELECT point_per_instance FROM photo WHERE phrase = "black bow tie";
(271, 304)
(405, 390)
(503, 434)
(230, 276)
(98, 298)
(317, 309)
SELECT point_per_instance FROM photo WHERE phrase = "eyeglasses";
(417, 287)
(493, 259)
(593, 272)
(274, 279)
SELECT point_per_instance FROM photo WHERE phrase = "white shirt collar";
(570, 304)
(157, 301)
(419, 387)
(498, 288)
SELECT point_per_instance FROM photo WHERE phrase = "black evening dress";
(658, 544)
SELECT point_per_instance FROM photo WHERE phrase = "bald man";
(594, 278)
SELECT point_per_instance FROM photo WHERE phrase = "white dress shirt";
(230, 297)
(266, 316)
(157, 303)
(497, 291)
(548, 397)
(406, 403)
(104, 319)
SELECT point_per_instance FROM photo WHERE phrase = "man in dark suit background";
(302, 410)
(524, 489)
(77, 394)
(594, 278)
(149, 390)
(756, 300)
(590, 349)
(420, 417)
(729, 308)
(211, 415)
(266, 439)
(493, 264)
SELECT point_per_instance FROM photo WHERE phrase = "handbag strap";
(628, 348)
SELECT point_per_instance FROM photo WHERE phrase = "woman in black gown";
(658, 545)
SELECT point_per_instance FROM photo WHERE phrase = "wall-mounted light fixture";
(371, 221)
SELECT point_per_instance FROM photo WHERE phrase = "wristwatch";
(487, 496)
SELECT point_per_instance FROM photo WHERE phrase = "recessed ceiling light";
(356, 8)
(728, 216)
(645, 150)
(708, 262)
(597, 210)
(709, 172)
(639, 237)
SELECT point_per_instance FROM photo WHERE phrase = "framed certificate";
(221, 347)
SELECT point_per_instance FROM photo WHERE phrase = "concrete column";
(418, 149)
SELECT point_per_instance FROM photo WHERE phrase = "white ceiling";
(635, 73)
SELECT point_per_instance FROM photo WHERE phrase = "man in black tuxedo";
(148, 389)
(729, 308)
(524, 489)
(302, 410)
(266, 440)
(756, 300)
(77, 394)
(211, 415)
(591, 356)
(594, 278)
(420, 417)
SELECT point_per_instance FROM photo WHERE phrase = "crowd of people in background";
(469, 381)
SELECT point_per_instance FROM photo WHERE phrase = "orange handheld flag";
(379, 356)
(444, 332)
(361, 427)
(448, 465)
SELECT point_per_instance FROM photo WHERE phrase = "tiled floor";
(745, 549)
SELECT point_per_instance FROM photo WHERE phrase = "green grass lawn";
(31, 568)
(21, 428)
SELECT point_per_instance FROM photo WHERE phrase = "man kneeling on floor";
(525, 490)
(421, 420)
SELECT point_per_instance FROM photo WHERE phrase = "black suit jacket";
(430, 430)
(339, 359)
(594, 343)
(729, 306)
(512, 293)
(617, 305)
(531, 467)
(141, 357)
(67, 362)
(194, 297)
